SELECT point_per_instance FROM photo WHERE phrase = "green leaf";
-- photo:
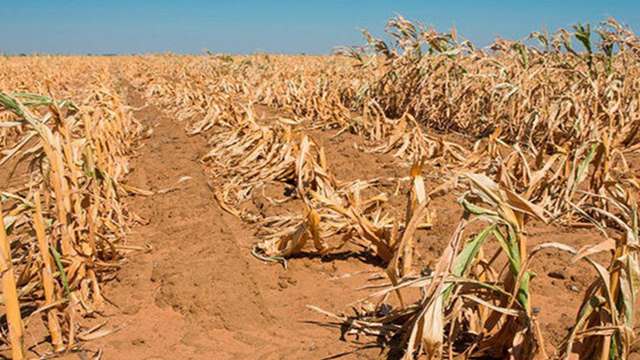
(465, 258)
(63, 275)
(583, 34)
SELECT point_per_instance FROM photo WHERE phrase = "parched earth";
(198, 293)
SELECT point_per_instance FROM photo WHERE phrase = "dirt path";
(199, 294)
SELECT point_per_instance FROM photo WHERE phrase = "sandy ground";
(199, 293)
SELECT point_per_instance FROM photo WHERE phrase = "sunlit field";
(490, 194)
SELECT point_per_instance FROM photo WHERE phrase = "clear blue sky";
(286, 26)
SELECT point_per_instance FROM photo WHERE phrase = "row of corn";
(62, 210)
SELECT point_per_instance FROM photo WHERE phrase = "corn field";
(518, 139)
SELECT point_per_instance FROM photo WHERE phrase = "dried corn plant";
(468, 307)
(63, 212)
(245, 159)
(605, 324)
